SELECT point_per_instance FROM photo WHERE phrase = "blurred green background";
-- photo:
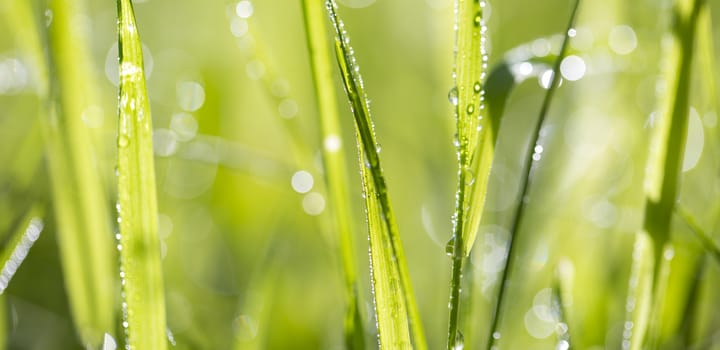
(247, 257)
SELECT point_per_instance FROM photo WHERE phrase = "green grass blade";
(562, 294)
(395, 304)
(667, 147)
(140, 246)
(639, 299)
(81, 206)
(334, 163)
(17, 247)
(494, 334)
(710, 246)
(475, 146)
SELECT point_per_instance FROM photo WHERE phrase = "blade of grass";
(80, 203)
(667, 148)
(17, 247)
(475, 146)
(395, 304)
(712, 248)
(144, 303)
(334, 164)
(561, 294)
(494, 334)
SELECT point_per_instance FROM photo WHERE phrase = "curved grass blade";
(144, 303)
(494, 334)
(667, 147)
(16, 249)
(80, 202)
(334, 164)
(395, 304)
(475, 146)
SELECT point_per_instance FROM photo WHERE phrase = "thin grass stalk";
(334, 164)
(475, 145)
(711, 248)
(667, 148)
(494, 334)
(395, 304)
(141, 269)
(81, 205)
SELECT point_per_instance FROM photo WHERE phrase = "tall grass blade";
(144, 303)
(475, 145)
(334, 163)
(667, 147)
(395, 304)
(81, 206)
(494, 334)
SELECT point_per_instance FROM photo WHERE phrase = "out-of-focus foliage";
(248, 260)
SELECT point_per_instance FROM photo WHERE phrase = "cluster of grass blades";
(90, 265)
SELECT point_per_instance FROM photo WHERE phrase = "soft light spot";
(190, 95)
(245, 328)
(545, 79)
(583, 40)
(165, 226)
(313, 203)
(244, 9)
(540, 47)
(332, 143)
(109, 342)
(302, 181)
(93, 117)
(695, 141)
(164, 142)
(288, 108)
(255, 69)
(356, 3)
(572, 68)
(238, 27)
(280, 87)
(622, 39)
(184, 125)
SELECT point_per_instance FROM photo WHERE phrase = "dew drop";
(123, 141)
(453, 96)
(477, 87)
(478, 19)
(450, 246)
(470, 108)
(459, 341)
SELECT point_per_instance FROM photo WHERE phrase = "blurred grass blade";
(667, 147)
(81, 206)
(140, 245)
(494, 333)
(475, 147)
(395, 304)
(16, 249)
(562, 296)
(334, 163)
(710, 246)
(639, 297)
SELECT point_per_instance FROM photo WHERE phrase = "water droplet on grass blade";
(450, 246)
(453, 96)
(459, 341)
